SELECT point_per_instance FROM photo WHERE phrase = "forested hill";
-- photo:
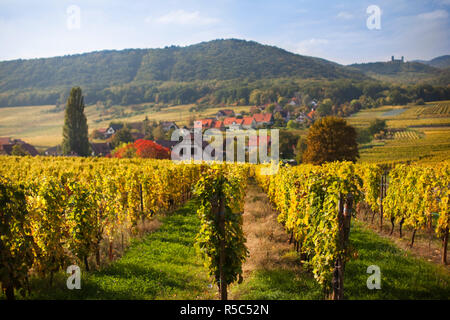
(219, 60)
(442, 62)
(393, 67)
(397, 71)
(230, 59)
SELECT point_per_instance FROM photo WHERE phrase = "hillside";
(441, 62)
(219, 60)
(230, 59)
(407, 72)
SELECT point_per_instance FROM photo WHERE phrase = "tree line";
(342, 94)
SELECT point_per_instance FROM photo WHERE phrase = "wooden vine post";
(383, 181)
(444, 246)
(344, 220)
(221, 220)
(141, 200)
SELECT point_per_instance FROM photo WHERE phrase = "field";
(149, 221)
(41, 127)
(423, 132)
(149, 270)
(406, 135)
(166, 223)
(439, 109)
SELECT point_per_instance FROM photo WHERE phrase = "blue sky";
(334, 30)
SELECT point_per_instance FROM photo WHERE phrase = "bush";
(141, 149)
(376, 126)
(19, 150)
(363, 136)
(420, 102)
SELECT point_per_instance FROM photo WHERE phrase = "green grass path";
(162, 265)
(402, 275)
(165, 265)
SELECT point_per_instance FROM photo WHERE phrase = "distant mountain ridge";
(218, 59)
(400, 71)
(393, 67)
(218, 71)
(441, 62)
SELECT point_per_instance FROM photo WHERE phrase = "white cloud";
(437, 14)
(345, 15)
(311, 46)
(182, 17)
(313, 42)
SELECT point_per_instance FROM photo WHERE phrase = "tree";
(146, 127)
(325, 107)
(158, 133)
(19, 150)
(270, 108)
(376, 126)
(331, 139)
(300, 149)
(141, 149)
(306, 100)
(287, 143)
(279, 120)
(363, 136)
(356, 105)
(282, 100)
(97, 135)
(292, 124)
(255, 97)
(75, 130)
(124, 151)
(150, 149)
(122, 136)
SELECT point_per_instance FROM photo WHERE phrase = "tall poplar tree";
(75, 131)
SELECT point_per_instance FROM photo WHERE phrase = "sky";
(346, 32)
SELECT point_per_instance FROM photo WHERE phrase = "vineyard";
(406, 135)
(316, 204)
(62, 211)
(439, 109)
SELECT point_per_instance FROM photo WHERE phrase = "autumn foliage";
(142, 149)
(331, 139)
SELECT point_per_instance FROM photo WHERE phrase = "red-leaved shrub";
(142, 149)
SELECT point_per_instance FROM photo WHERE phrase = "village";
(104, 140)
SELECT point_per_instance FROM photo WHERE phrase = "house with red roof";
(249, 123)
(102, 131)
(225, 113)
(302, 117)
(262, 119)
(5, 140)
(219, 125)
(311, 114)
(7, 145)
(207, 123)
(233, 123)
(294, 102)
